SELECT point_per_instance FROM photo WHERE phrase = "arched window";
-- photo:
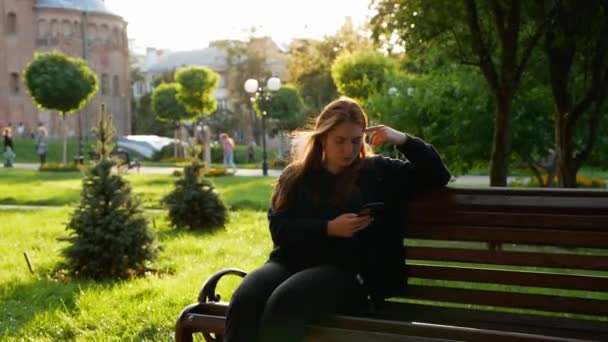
(54, 28)
(14, 83)
(43, 28)
(91, 32)
(66, 28)
(115, 38)
(104, 33)
(105, 86)
(116, 85)
(11, 23)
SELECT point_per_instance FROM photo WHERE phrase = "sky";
(192, 24)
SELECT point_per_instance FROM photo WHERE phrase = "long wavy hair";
(307, 155)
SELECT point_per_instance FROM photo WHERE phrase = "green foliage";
(58, 82)
(110, 236)
(165, 105)
(109, 233)
(444, 108)
(310, 63)
(143, 120)
(198, 85)
(361, 75)
(285, 109)
(194, 203)
(104, 132)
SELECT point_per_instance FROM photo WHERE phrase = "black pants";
(274, 304)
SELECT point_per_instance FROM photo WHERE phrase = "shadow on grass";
(21, 303)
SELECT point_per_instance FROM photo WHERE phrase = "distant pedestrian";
(9, 157)
(8, 139)
(251, 152)
(21, 130)
(41, 144)
(228, 147)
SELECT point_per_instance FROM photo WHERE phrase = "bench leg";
(182, 332)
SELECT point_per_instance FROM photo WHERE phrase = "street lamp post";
(261, 94)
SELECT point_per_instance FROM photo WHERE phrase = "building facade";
(80, 28)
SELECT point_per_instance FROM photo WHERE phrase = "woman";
(41, 144)
(228, 148)
(8, 139)
(328, 258)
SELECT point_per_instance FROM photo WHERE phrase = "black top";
(299, 233)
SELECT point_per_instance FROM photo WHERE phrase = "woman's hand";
(346, 225)
(385, 135)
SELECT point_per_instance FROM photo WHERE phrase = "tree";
(58, 82)
(109, 233)
(197, 94)
(286, 108)
(246, 59)
(310, 63)
(194, 203)
(167, 108)
(285, 112)
(443, 108)
(362, 75)
(577, 54)
(496, 36)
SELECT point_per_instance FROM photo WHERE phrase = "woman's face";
(342, 145)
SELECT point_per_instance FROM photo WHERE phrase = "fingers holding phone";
(346, 225)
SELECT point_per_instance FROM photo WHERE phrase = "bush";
(581, 182)
(194, 203)
(212, 172)
(110, 234)
(56, 167)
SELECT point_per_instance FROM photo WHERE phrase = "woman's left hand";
(385, 135)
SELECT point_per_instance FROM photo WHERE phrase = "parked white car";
(144, 145)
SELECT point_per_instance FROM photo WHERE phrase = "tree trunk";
(564, 141)
(65, 140)
(207, 148)
(501, 150)
(176, 142)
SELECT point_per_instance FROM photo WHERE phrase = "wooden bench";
(495, 264)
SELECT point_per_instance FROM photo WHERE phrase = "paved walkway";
(467, 180)
(166, 170)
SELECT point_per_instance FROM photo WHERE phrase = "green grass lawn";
(29, 187)
(37, 307)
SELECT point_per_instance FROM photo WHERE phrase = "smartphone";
(371, 209)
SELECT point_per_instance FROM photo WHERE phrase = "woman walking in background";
(41, 144)
(228, 145)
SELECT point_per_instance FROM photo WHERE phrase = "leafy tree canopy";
(58, 82)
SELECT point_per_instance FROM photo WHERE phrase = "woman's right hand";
(346, 225)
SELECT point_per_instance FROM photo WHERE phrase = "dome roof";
(97, 6)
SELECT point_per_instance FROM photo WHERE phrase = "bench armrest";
(207, 293)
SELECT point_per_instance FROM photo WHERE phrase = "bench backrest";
(510, 248)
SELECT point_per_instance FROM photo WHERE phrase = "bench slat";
(573, 238)
(598, 223)
(485, 319)
(520, 278)
(509, 300)
(573, 261)
(435, 331)
(536, 203)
